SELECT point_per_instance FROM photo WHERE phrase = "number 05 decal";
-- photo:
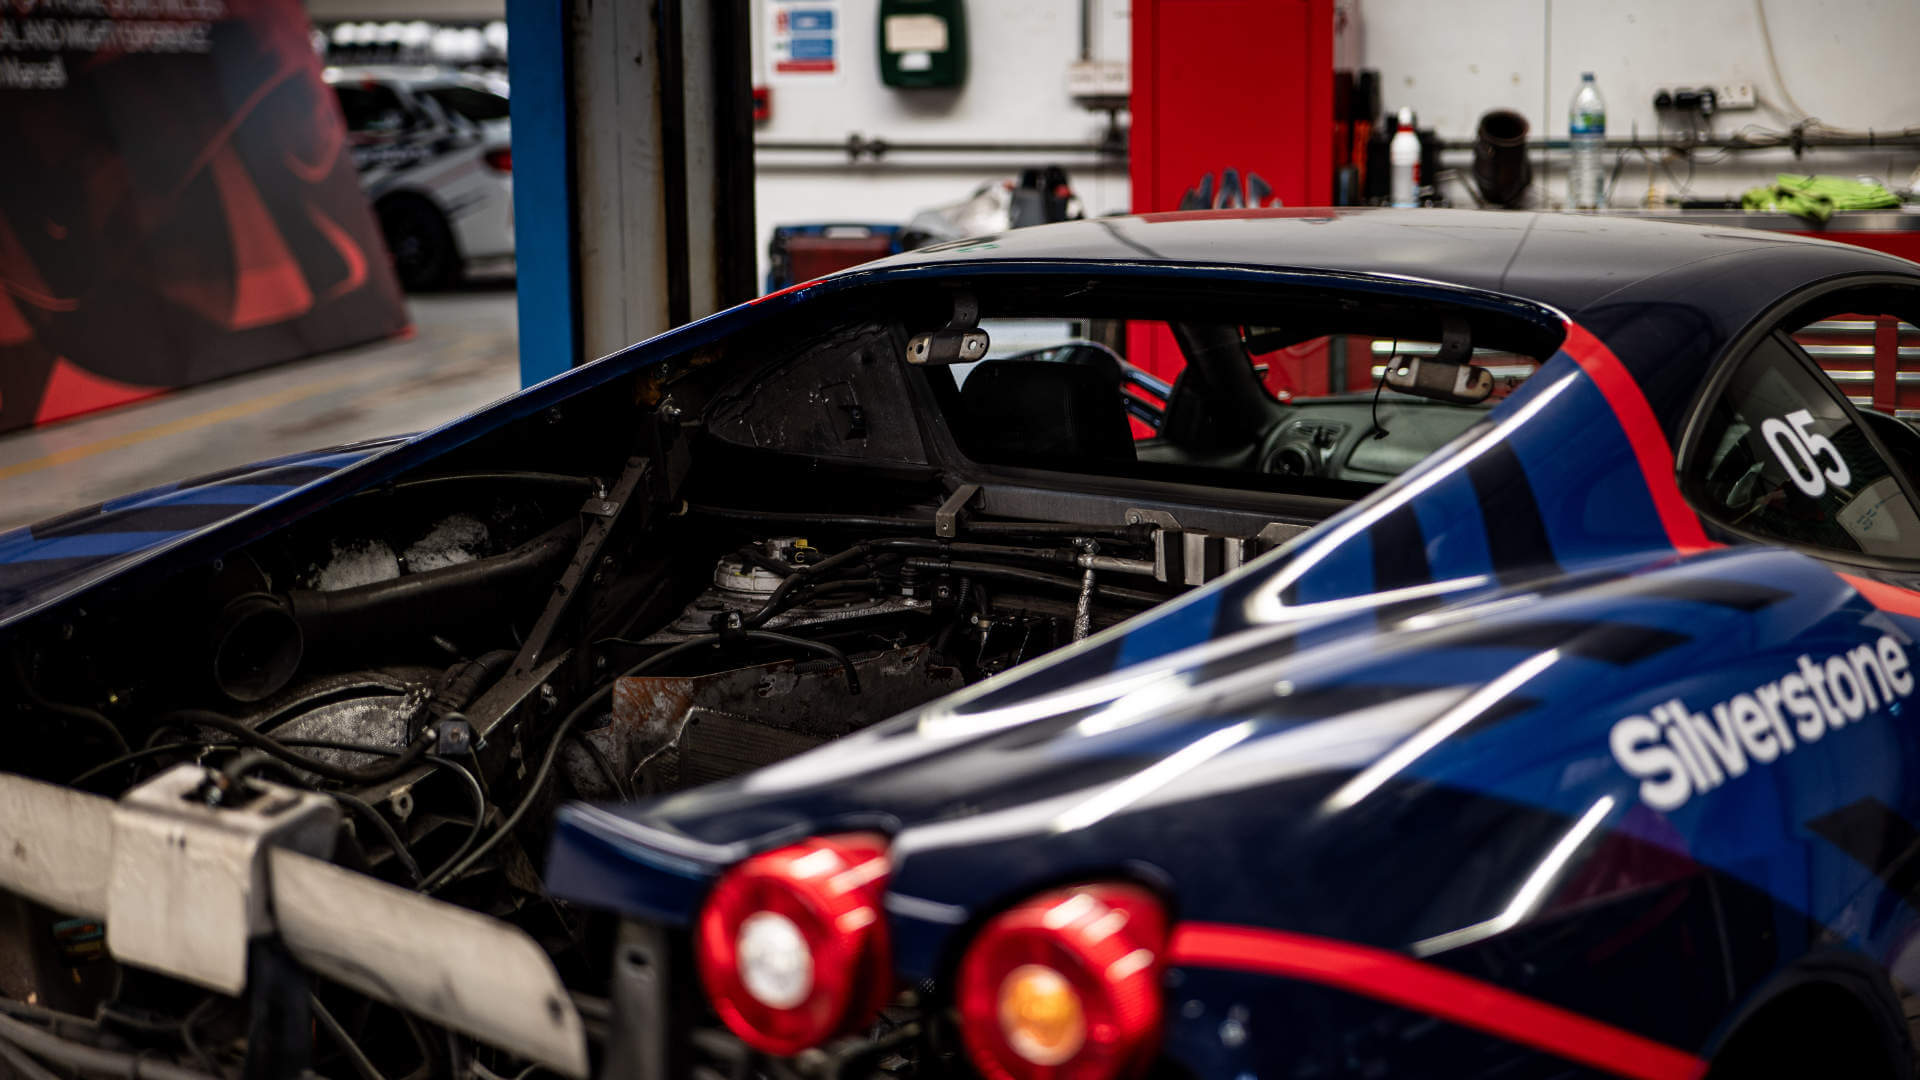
(1800, 450)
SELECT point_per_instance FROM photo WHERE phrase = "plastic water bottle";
(1587, 128)
(1403, 157)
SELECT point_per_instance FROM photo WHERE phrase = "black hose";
(778, 600)
(779, 517)
(361, 1063)
(253, 760)
(1139, 533)
(832, 653)
(480, 807)
(90, 1059)
(366, 810)
(1034, 577)
(1059, 555)
(74, 1025)
(539, 779)
(582, 483)
(793, 588)
(174, 747)
(23, 1065)
(430, 598)
(764, 561)
(607, 771)
(371, 774)
(154, 750)
(464, 682)
(94, 719)
(834, 588)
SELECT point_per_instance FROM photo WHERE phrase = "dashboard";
(1338, 439)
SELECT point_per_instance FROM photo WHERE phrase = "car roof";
(1567, 261)
(410, 76)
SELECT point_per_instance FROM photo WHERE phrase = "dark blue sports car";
(1235, 644)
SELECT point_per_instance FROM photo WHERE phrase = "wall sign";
(803, 40)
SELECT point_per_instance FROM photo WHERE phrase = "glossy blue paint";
(1415, 755)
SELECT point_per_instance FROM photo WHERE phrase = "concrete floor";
(462, 355)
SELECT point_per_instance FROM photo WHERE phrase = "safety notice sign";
(803, 40)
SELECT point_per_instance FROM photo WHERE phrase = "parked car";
(435, 153)
(872, 681)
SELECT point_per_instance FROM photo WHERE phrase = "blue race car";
(1201, 645)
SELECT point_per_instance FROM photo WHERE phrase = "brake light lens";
(500, 160)
(1065, 986)
(791, 945)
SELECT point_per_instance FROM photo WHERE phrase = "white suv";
(436, 159)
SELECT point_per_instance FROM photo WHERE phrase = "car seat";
(1071, 409)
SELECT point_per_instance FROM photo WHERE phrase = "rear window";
(478, 106)
(1780, 457)
(370, 107)
(1262, 408)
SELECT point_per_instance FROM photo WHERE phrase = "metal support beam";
(544, 241)
(664, 154)
(654, 142)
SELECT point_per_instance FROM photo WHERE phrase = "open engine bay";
(670, 580)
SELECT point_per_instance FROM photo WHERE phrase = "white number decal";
(1802, 421)
(1799, 450)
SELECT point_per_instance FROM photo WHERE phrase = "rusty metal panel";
(736, 720)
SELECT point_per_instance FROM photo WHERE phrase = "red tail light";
(499, 160)
(791, 945)
(1065, 986)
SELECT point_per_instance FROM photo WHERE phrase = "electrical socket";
(1726, 96)
(1739, 95)
(1098, 79)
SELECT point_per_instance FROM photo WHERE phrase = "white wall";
(1018, 53)
(1849, 62)
(407, 10)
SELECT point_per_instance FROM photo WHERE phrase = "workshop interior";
(959, 539)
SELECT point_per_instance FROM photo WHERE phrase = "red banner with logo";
(177, 202)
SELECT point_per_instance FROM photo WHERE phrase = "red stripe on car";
(1884, 596)
(1404, 981)
(1649, 443)
(782, 292)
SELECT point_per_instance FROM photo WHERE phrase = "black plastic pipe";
(412, 602)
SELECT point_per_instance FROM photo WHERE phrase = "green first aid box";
(923, 43)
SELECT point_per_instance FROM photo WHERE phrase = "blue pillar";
(543, 219)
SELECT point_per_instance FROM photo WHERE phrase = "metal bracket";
(1195, 558)
(638, 1045)
(279, 1017)
(946, 520)
(961, 341)
(188, 887)
(1273, 534)
(567, 590)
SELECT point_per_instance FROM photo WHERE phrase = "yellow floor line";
(187, 423)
